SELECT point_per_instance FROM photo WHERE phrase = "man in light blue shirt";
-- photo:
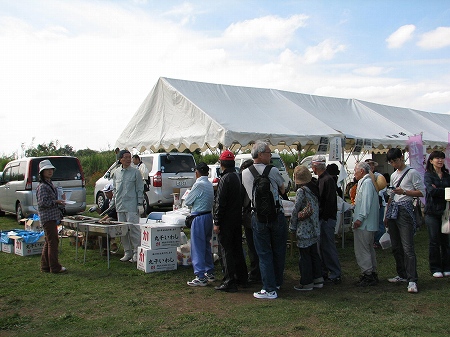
(365, 225)
(201, 198)
(128, 195)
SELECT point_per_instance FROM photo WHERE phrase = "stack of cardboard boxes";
(17, 244)
(158, 249)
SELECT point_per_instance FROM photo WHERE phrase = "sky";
(75, 72)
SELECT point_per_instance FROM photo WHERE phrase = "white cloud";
(400, 36)
(323, 51)
(371, 71)
(435, 39)
(268, 32)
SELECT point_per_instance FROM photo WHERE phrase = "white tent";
(184, 114)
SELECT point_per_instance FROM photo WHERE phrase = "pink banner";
(447, 153)
(416, 156)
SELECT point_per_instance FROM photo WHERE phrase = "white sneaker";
(133, 259)
(127, 257)
(262, 294)
(446, 273)
(198, 282)
(397, 279)
(438, 274)
(412, 287)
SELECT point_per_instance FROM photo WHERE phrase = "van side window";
(22, 170)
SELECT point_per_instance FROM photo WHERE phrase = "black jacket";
(435, 202)
(227, 208)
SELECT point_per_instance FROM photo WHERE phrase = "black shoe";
(366, 280)
(229, 288)
(336, 280)
(375, 276)
(244, 284)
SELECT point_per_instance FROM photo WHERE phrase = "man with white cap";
(128, 196)
(327, 217)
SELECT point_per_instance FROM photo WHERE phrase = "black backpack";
(262, 197)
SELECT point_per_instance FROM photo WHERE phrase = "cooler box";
(153, 260)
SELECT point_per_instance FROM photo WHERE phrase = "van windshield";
(66, 168)
(176, 164)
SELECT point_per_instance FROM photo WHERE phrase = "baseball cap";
(227, 155)
(45, 165)
(319, 158)
(108, 188)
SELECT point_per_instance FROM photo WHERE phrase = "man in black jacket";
(327, 217)
(227, 225)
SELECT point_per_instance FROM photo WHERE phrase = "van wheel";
(145, 206)
(19, 212)
(100, 200)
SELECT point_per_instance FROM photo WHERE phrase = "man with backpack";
(264, 184)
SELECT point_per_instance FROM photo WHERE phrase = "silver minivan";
(167, 172)
(20, 178)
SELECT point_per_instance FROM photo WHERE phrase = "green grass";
(91, 300)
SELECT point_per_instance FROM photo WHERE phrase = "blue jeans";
(328, 249)
(438, 246)
(402, 239)
(270, 243)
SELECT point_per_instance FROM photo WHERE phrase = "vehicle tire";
(145, 206)
(19, 212)
(100, 199)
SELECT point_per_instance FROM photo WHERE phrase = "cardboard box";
(31, 225)
(24, 249)
(153, 260)
(158, 235)
(7, 248)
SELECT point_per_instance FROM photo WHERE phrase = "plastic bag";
(385, 241)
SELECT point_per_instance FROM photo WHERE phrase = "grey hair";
(321, 166)
(258, 148)
(363, 165)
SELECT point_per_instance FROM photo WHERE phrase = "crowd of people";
(381, 202)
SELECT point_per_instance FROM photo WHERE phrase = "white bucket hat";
(45, 165)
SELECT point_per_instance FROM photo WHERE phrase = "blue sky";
(76, 71)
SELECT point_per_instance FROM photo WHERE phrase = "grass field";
(91, 300)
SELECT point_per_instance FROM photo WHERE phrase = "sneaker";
(210, 277)
(304, 287)
(366, 280)
(412, 287)
(133, 259)
(270, 295)
(198, 282)
(336, 280)
(438, 274)
(126, 257)
(446, 273)
(397, 279)
(318, 282)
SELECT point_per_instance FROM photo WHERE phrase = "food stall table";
(72, 222)
(112, 230)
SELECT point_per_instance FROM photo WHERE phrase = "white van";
(275, 161)
(20, 178)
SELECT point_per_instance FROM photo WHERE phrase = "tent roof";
(184, 114)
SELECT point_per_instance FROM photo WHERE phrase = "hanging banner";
(359, 143)
(323, 145)
(368, 144)
(416, 156)
(336, 149)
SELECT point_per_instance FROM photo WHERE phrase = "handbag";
(417, 211)
(307, 211)
(445, 227)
